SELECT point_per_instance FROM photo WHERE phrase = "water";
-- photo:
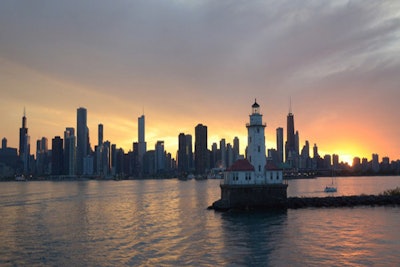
(165, 222)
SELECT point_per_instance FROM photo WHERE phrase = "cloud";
(197, 60)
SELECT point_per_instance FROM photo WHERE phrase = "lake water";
(165, 222)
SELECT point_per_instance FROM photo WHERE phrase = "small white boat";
(330, 189)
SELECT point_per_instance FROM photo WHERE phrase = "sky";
(182, 63)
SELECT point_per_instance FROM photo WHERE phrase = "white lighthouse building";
(254, 169)
(252, 183)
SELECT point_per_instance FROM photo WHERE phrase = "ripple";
(165, 223)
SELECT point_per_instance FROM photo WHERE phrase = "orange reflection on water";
(340, 237)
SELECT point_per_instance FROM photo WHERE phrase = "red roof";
(241, 165)
(271, 166)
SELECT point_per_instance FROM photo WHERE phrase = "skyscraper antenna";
(24, 112)
(290, 104)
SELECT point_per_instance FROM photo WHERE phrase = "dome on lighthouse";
(255, 105)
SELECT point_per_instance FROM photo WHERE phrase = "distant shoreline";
(87, 178)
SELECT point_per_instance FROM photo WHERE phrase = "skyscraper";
(82, 139)
(106, 158)
(57, 156)
(236, 150)
(315, 152)
(24, 145)
(69, 151)
(222, 149)
(182, 156)
(279, 144)
(290, 137)
(141, 138)
(23, 132)
(375, 163)
(160, 156)
(100, 135)
(189, 152)
(229, 155)
(335, 161)
(292, 142)
(200, 147)
(304, 161)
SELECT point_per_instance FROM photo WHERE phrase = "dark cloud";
(201, 42)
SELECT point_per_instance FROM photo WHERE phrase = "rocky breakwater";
(387, 198)
(342, 201)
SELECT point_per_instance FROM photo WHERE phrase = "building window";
(258, 130)
(259, 168)
(258, 148)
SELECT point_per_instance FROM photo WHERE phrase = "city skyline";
(91, 141)
(202, 62)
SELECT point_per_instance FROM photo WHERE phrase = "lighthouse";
(252, 182)
(256, 141)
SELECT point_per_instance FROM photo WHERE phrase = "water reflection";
(339, 237)
(136, 223)
(252, 238)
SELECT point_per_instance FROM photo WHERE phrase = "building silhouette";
(57, 156)
(236, 150)
(200, 149)
(100, 134)
(82, 145)
(69, 151)
(8, 156)
(160, 157)
(106, 159)
(24, 146)
(292, 142)
(43, 158)
(223, 152)
(279, 144)
(185, 153)
(142, 145)
(375, 163)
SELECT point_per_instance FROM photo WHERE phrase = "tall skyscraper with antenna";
(24, 145)
(23, 131)
(291, 146)
(142, 145)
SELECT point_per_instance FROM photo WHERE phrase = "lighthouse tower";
(256, 141)
(251, 183)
